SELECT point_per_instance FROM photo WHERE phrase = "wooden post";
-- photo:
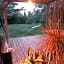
(5, 22)
(47, 16)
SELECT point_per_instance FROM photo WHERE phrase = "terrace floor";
(21, 45)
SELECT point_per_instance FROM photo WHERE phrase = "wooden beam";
(60, 0)
(47, 16)
(5, 22)
(34, 1)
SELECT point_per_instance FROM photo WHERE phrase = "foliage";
(55, 30)
(34, 17)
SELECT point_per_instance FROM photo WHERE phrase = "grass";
(16, 30)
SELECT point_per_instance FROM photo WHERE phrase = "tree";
(11, 15)
(15, 17)
(29, 19)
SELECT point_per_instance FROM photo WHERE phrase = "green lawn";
(16, 30)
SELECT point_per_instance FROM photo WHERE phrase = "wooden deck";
(21, 45)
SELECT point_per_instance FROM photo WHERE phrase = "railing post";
(5, 22)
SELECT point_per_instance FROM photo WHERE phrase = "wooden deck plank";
(21, 45)
(22, 48)
(14, 54)
(17, 50)
(11, 45)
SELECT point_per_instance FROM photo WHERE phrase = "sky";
(27, 6)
